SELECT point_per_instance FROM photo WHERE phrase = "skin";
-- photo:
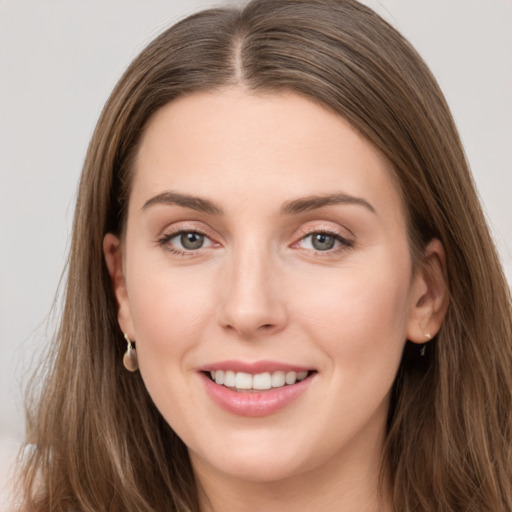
(258, 289)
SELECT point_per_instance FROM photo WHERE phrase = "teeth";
(218, 376)
(243, 380)
(291, 378)
(260, 381)
(229, 379)
(278, 379)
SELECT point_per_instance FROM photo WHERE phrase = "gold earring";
(130, 356)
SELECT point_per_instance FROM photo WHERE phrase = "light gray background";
(58, 63)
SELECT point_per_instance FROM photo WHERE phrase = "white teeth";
(278, 379)
(243, 380)
(260, 381)
(229, 379)
(291, 378)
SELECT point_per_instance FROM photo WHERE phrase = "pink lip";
(254, 367)
(254, 403)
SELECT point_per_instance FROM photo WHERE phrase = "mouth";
(247, 382)
(258, 388)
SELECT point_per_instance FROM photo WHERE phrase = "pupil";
(323, 242)
(192, 240)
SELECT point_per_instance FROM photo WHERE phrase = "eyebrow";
(291, 207)
(306, 204)
(194, 203)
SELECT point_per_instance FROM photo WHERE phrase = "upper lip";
(254, 367)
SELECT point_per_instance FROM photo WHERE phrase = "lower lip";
(255, 403)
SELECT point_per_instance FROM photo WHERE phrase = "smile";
(243, 381)
(255, 389)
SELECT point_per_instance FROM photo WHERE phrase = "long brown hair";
(100, 443)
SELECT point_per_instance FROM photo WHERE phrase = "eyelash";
(164, 241)
(345, 243)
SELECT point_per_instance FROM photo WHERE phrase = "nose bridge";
(252, 303)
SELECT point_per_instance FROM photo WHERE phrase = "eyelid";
(309, 229)
(184, 227)
(329, 229)
(312, 229)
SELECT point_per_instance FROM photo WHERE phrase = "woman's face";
(265, 245)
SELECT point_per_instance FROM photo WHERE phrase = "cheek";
(360, 313)
(169, 309)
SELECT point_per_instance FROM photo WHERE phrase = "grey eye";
(190, 240)
(322, 241)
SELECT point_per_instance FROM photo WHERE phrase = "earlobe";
(429, 298)
(113, 253)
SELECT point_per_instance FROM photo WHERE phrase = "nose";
(252, 302)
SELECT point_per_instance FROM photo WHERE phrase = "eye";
(190, 240)
(185, 241)
(322, 241)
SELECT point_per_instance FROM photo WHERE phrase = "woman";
(276, 231)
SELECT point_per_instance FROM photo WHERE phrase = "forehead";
(234, 143)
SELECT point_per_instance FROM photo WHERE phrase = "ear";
(429, 294)
(113, 252)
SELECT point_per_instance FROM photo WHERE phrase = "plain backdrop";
(60, 59)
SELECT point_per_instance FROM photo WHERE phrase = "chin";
(266, 471)
(257, 460)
